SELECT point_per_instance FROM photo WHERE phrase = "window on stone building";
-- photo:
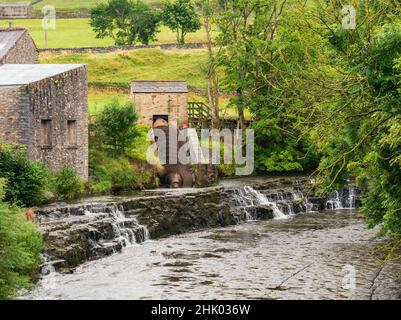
(72, 132)
(45, 132)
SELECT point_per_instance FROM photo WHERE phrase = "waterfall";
(262, 200)
(253, 204)
(334, 202)
(346, 198)
(124, 230)
(353, 197)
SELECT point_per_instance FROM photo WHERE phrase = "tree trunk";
(212, 81)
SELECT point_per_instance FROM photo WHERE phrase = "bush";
(117, 174)
(67, 184)
(26, 180)
(20, 248)
(116, 127)
(3, 184)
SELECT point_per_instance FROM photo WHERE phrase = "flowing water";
(300, 254)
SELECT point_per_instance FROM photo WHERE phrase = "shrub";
(3, 184)
(67, 184)
(140, 144)
(116, 127)
(117, 174)
(25, 180)
(20, 248)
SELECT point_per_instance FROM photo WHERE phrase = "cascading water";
(346, 198)
(354, 194)
(285, 203)
(127, 230)
(334, 202)
(120, 229)
(251, 201)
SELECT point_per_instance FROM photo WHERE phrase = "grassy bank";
(72, 33)
(120, 68)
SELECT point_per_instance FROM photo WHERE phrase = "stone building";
(17, 47)
(15, 10)
(45, 108)
(161, 100)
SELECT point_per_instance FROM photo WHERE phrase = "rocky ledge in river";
(96, 228)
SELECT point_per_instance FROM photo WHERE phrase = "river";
(327, 255)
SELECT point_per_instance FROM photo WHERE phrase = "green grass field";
(113, 69)
(72, 33)
(98, 98)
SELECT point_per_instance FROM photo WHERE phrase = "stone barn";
(15, 10)
(17, 47)
(165, 101)
(45, 108)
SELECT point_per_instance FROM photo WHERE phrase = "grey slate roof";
(159, 87)
(19, 74)
(8, 38)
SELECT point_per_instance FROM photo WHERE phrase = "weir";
(93, 229)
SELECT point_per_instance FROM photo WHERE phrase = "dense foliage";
(126, 21)
(20, 247)
(323, 95)
(116, 127)
(67, 185)
(26, 180)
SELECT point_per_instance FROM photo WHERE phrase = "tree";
(358, 131)
(181, 17)
(116, 127)
(262, 58)
(126, 21)
(209, 8)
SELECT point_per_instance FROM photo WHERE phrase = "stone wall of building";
(175, 105)
(13, 120)
(23, 52)
(60, 99)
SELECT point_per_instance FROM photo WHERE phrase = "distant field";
(78, 33)
(71, 5)
(67, 4)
